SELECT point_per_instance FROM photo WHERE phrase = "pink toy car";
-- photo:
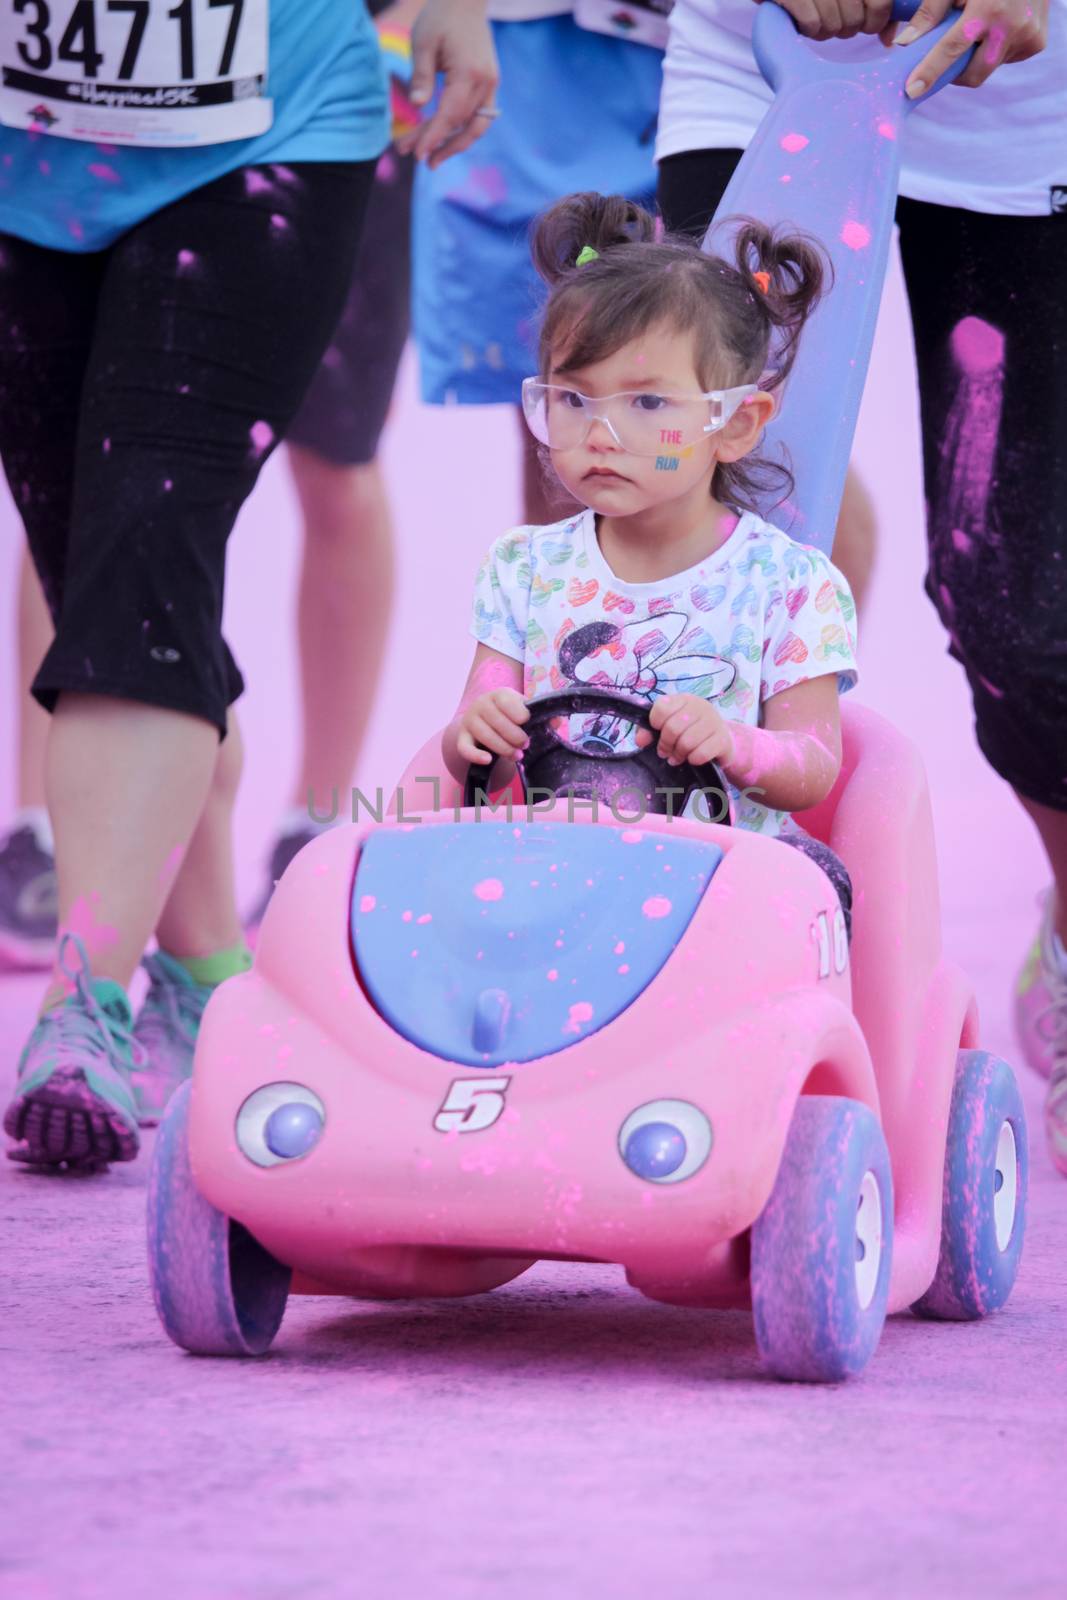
(467, 1045)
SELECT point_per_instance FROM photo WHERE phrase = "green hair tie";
(587, 254)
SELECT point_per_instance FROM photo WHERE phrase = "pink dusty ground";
(561, 1436)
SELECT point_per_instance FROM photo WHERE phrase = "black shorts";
(345, 409)
(143, 387)
(988, 298)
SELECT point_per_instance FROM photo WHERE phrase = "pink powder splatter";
(262, 436)
(367, 903)
(998, 694)
(856, 235)
(279, 223)
(977, 346)
(620, 947)
(787, 177)
(489, 889)
(625, 967)
(75, 229)
(106, 174)
(45, 168)
(887, 130)
(579, 1014)
(552, 974)
(406, 916)
(963, 544)
(631, 836)
(426, 917)
(256, 182)
(657, 905)
(187, 260)
(106, 447)
(793, 143)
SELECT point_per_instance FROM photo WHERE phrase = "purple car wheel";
(822, 1246)
(983, 1206)
(217, 1291)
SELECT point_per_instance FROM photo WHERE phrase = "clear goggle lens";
(641, 422)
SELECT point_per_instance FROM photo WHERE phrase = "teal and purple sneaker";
(74, 1103)
(1041, 999)
(166, 1029)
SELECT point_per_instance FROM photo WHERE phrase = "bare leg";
(856, 537)
(346, 600)
(34, 637)
(1052, 826)
(200, 917)
(126, 784)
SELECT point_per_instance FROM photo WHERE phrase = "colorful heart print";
(556, 551)
(579, 593)
(540, 591)
(706, 598)
(746, 603)
(790, 649)
(795, 598)
(565, 627)
(617, 602)
(826, 596)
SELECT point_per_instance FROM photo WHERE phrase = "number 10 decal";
(820, 929)
(471, 1104)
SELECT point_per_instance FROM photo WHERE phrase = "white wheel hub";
(1005, 1185)
(868, 1239)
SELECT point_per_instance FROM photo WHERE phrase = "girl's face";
(651, 370)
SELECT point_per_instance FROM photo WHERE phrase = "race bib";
(136, 72)
(643, 21)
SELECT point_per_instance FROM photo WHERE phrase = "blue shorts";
(578, 111)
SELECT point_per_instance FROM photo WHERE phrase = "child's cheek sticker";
(668, 462)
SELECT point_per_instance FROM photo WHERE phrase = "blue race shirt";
(330, 104)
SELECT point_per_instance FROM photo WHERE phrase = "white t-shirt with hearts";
(759, 614)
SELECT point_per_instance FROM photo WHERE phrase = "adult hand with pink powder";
(1003, 30)
(451, 37)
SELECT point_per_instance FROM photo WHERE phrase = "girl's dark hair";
(745, 333)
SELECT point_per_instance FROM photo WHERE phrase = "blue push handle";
(826, 160)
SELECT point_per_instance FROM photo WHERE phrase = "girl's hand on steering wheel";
(494, 721)
(1003, 30)
(690, 729)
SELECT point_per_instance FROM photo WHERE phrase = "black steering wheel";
(642, 778)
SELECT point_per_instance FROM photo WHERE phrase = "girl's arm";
(491, 724)
(794, 758)
(790, 762)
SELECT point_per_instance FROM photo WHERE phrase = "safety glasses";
(641, 422)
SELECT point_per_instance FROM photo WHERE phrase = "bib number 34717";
(140, 72)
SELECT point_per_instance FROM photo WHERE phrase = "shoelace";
(78, 1027)
(170, 1006)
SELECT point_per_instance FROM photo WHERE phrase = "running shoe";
(28, 899)
(74, 1103)
(166, 1029)
(1041, 999)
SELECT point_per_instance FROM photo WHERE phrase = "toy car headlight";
(280, 1122)
(665, 1141)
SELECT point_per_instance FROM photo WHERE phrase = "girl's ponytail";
(586, 221)
(787, 274)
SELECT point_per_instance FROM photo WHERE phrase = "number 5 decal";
(471, 1104)
(820, 929)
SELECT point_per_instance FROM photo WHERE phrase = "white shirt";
(1001, 148)
(758, 615)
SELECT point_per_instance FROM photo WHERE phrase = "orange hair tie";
(763, 279)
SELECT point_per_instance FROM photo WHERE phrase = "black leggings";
(988, 297)
(142, 388)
